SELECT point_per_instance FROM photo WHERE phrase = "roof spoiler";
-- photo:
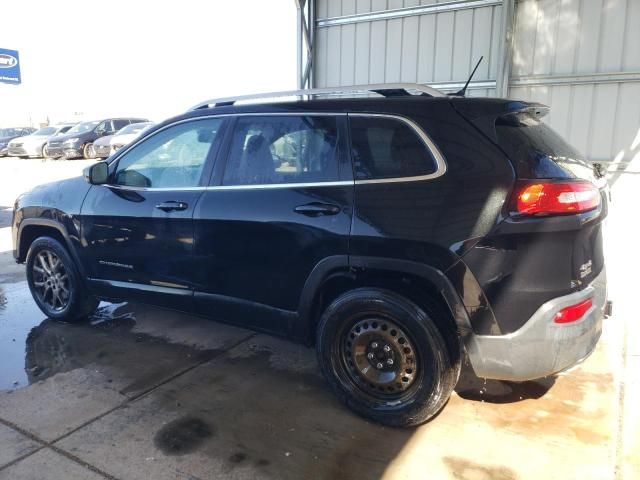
(484, 113)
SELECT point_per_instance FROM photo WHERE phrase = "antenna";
(463, 90)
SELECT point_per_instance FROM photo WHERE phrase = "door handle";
(315, 209)
(172, 206)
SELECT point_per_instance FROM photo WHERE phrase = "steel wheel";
(51, 281)
(380, 358)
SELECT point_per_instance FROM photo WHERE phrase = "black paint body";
(246, 256)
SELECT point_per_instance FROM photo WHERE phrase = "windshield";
(133, 128)
(45, 131)
(10, 132)
(83, 127)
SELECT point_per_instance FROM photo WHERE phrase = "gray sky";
(85, 59)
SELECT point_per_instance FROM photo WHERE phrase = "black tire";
(88, 151)
(56, 285)
(409, 398)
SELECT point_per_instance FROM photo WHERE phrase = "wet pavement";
(139, 392)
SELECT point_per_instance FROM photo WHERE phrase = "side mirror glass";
(97, 174)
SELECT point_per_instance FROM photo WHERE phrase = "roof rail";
(384, 89)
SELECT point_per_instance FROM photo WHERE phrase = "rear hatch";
(549, 242)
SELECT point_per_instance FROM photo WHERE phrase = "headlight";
(71, 141)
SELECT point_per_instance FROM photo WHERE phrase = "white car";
(128, 134)
(34, 145)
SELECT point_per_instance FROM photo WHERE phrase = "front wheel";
(55, 282)
(385, 358)
(89, 151)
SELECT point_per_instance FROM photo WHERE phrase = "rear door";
(137, 231)
(280, 205)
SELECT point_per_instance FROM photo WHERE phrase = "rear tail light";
(573, 312)
(535, 197)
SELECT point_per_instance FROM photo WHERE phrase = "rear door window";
(383, 148)
(271, 150)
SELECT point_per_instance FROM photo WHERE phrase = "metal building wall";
(434, 48)
(582, 57)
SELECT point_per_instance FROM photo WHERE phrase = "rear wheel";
(55, 282)
(385, 358)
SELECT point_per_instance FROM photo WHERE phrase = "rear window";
(537, 151)
(387, 148)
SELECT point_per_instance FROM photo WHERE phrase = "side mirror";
(97, 174)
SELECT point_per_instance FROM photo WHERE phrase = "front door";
(137, 231)
(282, 204)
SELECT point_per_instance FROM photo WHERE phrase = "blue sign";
(9, 66)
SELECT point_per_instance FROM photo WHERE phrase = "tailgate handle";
(315, 209)
(172, 206)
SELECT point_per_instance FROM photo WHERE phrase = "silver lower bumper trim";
(541, 347)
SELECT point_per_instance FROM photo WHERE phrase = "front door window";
(172, 158)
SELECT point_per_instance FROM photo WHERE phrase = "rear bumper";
(541, 347)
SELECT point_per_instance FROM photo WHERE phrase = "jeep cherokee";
(398, 234)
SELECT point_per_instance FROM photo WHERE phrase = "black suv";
(76, 143)
(399, 235)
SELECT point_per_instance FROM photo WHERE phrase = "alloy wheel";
(51, 281)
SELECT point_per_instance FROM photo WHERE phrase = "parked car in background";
(128, 134)
(101, 148)
(8, 134)
(76, 143)
(34, 145)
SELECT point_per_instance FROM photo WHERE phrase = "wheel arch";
(32, 228)
(336, 275)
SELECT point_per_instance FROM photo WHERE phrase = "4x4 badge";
(585, 269)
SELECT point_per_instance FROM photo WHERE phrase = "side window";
(118, 124)
(104, 127)
(387, 148)
(283, 149)
(172, 158)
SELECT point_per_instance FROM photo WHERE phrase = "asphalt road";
(140, 392)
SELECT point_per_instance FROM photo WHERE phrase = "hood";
(124, 139)
(64, 195)
(103, 141)
(33, 138)
(84, 135)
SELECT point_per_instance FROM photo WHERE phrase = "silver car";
(128, 134)
(34, 145)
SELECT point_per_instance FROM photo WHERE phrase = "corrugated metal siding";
(551, 38)
(430, 48)
(583, 37)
